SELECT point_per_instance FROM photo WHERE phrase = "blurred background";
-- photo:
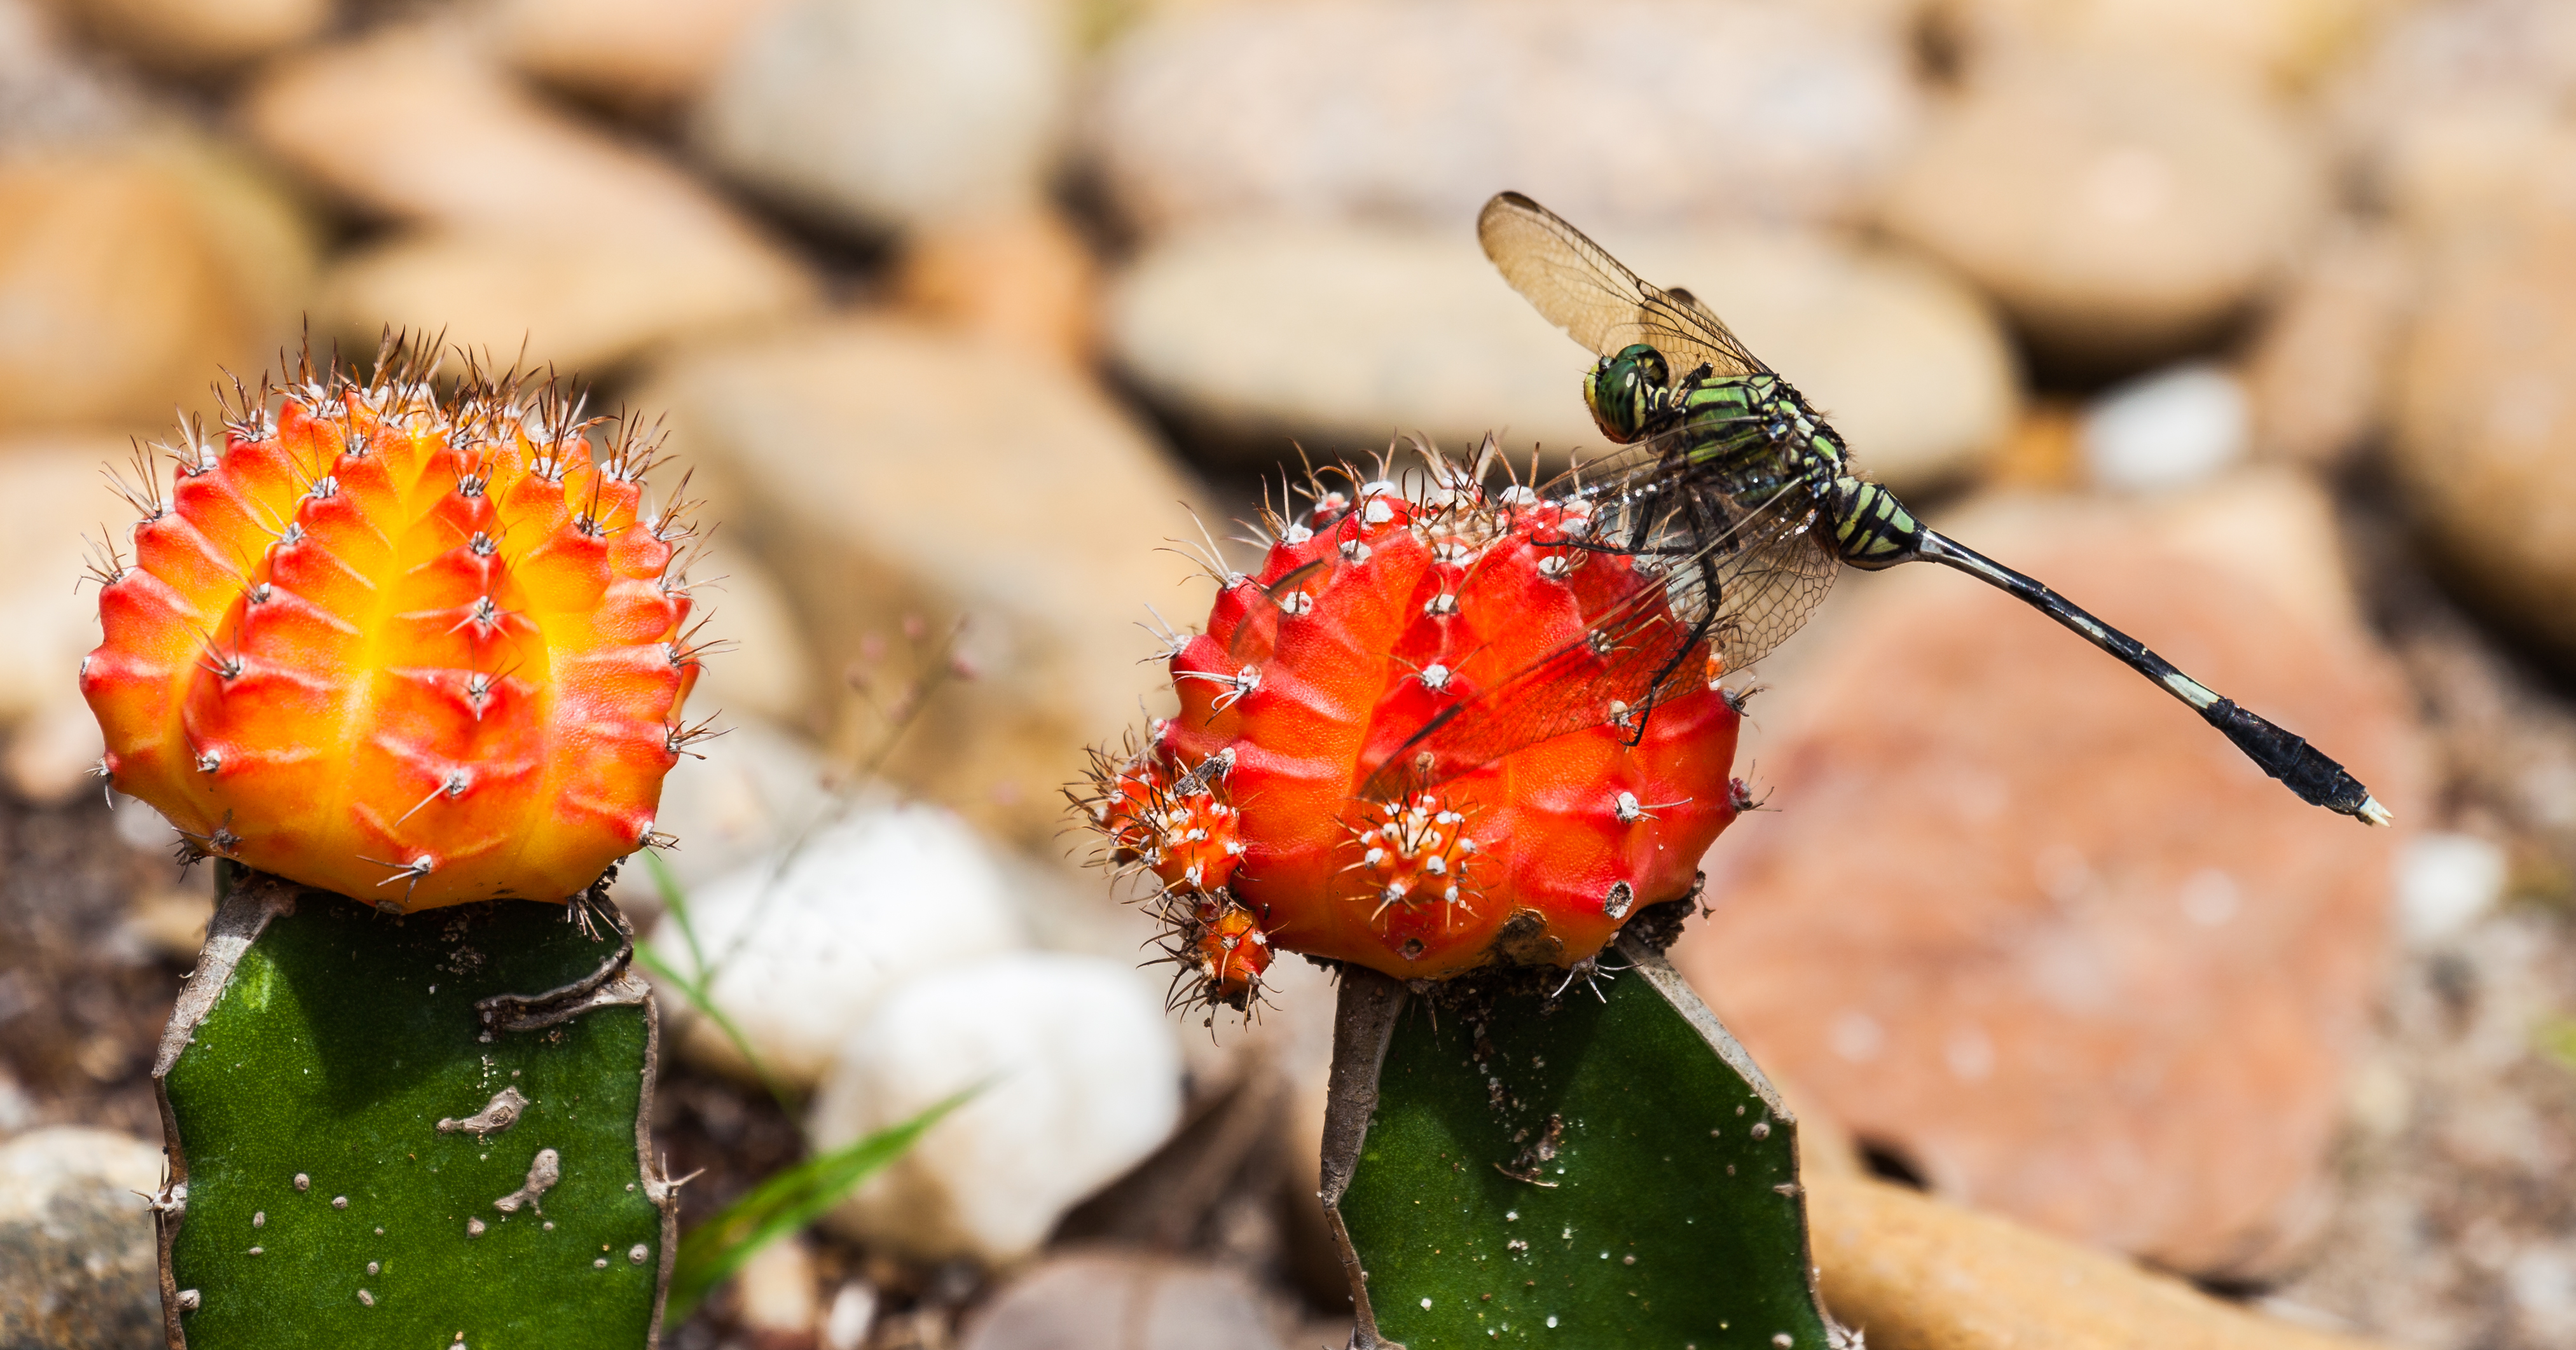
(2248, 324)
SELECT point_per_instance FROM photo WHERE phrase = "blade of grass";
(700, 991)
(699, 998)
(675, 898)
(785, 1203)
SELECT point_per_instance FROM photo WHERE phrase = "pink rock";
(2023, 922)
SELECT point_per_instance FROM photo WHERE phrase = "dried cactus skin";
(1371, 614)
(418, 650)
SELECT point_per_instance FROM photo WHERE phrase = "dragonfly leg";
(1710, 587)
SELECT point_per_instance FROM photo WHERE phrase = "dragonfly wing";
(1768, 591)
(1574, 687)
(1769, 565)
(1580, 288)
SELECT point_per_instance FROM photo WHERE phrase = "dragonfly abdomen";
(1872, 529)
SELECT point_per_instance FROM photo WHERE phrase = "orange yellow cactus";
(418, 650)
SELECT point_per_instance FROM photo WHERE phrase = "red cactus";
(415, 651)
(1374, 612)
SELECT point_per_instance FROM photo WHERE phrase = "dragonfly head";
(1627, 389)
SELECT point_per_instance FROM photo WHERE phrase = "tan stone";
(765, 667)
(637, 54)
(2486, 432)
(191, 35)
(1025, 278)
(1341, 336)
(129, 271)
(2455, 118)
(581, 302)
(419, 124)
(1418, 112)
(2120, 211)
(1112, 1299)
(1912, 1273)
(885, 469)
(880, 115)
(2288, 43)
(2322, 364)
(2018, 918)
(53, 505)
(54, 753)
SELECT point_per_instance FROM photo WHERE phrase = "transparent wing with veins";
(1580, 288)
(1759, 571)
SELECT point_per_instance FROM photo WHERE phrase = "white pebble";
(1081, 1079)
(2444, 882)
(865, 905)
(2167, 430)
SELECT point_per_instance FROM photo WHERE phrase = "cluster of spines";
(1176, 825)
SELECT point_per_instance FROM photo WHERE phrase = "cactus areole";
(1267, 812)
(416, 649)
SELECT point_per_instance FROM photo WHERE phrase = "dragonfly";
(1738, 495)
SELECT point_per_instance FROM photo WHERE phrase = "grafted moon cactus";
(412, 648)
(1267, 811)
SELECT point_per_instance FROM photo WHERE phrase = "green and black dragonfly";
(1739, 495)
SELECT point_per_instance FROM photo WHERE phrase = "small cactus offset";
(1268, 810)
(412, 648)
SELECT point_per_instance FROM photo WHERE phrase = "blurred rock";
(2176, 427)
(2485, 445)
(2456, 116)
(768, 671)
(2121, 212)
(130, 270)
(883, 469)
(2273, 528)
(418, 124)
(191, 35)
(1341, 336)
(630, 54)
(852, 1315)
(17, 1109)
(2445, 882)
(870, 902)
(1026, 279)
(78, 1263)
(53, 503)
(1076, 1079)
(577, 300)
(52, 91)
(754, 786)
(536, 225)
(880, 114)
(53, 754)
(1606, 112)
(2325, 355)
(2092, 969)
(170, 921)
(1916, 1274)
(2285, 43)
(774, 1293)
(1120, 1300)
